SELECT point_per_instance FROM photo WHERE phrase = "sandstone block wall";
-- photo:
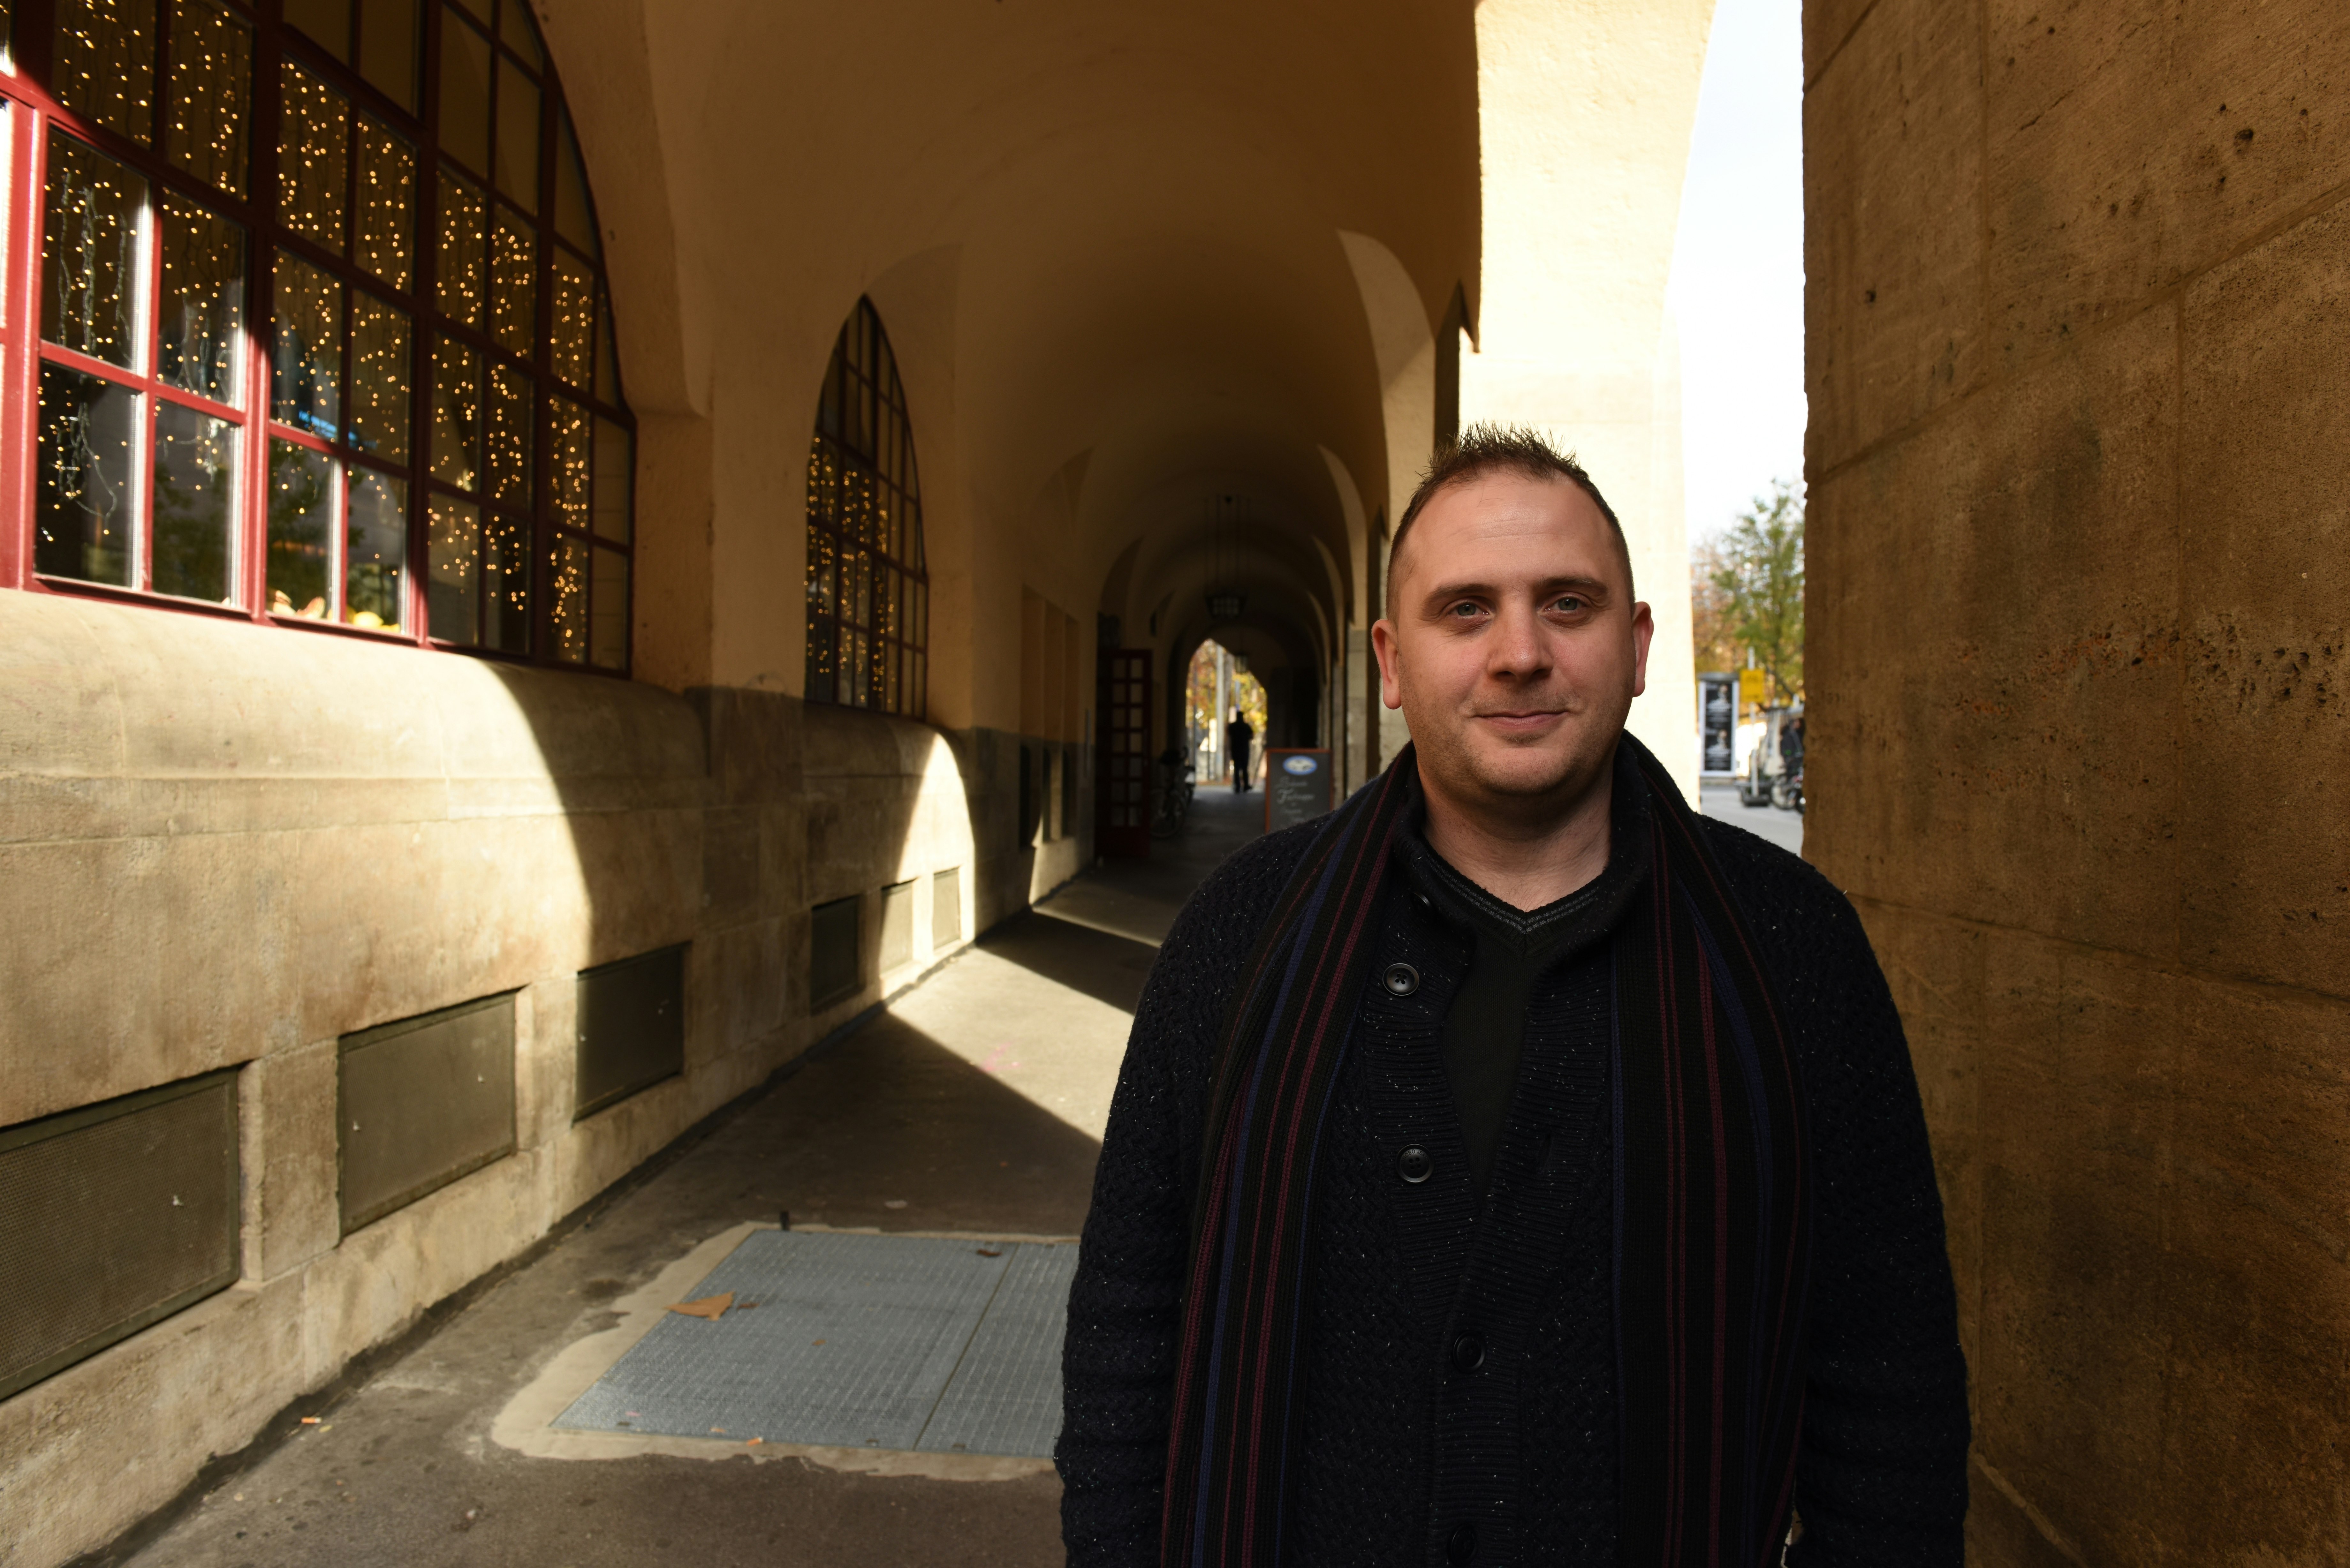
(228, 846)
(2080, 469)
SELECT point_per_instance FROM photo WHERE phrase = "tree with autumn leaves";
(1746, 588)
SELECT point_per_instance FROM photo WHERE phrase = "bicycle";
(1178, 781)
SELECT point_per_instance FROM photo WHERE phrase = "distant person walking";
(1238, 736)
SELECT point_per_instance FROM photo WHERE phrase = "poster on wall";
(1296, 787)
(1717, 724)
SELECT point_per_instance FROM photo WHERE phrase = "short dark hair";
(1482, 449)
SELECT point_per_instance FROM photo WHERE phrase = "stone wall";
(229, 846)
(2078, 646)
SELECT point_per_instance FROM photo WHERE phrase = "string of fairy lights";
(517, 490)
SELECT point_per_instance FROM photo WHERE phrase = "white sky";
(1737, 285)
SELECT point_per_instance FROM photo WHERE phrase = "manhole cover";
(882, 1341)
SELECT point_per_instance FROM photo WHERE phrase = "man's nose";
(1517, 649)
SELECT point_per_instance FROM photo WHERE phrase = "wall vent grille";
(832, 953)
(631, 1028)
(897, 926)
(111, 1218)
(422, 1102)
(946, 907)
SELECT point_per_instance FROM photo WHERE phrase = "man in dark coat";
(1512, 1167)
(1238, 735)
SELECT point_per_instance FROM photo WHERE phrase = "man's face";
(1512, 643)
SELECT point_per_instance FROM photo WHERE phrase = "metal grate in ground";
(884, 1342)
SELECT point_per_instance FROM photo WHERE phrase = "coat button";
(1469, 1352)
(1460, 1542)
(1402, 979)
(1414, 1164)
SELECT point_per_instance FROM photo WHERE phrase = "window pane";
(567, 451)
(301, 530)
(313, 161)
(607, 368)
(387, 49)
(85, 495)
(89, 253)
(381, 377)
(452, 589)
(105, 64)
(609, 638)
(573, 220)
(513, 285)
(195, 469)
(518, 137)
(456, 414)
(568, 613)
(305, 375)
(818, 680)
(520, 34)
(509, 437)
(824, 482)
(375, 549)
(819, 574)
(615, 481)
(464, 93)
(386, 204)
(212, 94)
(202, 308)
(464, 282)
(326, 21)
(505, 583)
(572, 351)
(829, 398)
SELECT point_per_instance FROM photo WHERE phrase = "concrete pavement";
(1784, 828)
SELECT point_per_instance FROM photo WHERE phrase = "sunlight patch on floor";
(1051, 1043)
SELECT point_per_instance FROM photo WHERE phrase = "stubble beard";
(1530, 784)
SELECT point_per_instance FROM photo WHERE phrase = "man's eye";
(1465, 609)
(1571, 606)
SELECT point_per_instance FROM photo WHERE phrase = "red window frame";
(35, 115)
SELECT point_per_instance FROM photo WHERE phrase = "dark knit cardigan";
(1396, 1444)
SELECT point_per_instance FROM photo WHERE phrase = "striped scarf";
(1712, 1206)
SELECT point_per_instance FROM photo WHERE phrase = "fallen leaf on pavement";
(709, 1307)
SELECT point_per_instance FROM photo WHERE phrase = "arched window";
(308, 299)
(869, 594)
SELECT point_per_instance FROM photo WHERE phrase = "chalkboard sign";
(1296, 787)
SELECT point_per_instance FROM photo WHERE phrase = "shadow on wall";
(447, 946)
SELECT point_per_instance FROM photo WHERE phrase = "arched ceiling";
(1151, 299)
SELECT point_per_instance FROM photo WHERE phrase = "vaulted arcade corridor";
(556, 555)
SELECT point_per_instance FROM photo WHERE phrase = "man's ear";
(1390, 657)
(1643, 628)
